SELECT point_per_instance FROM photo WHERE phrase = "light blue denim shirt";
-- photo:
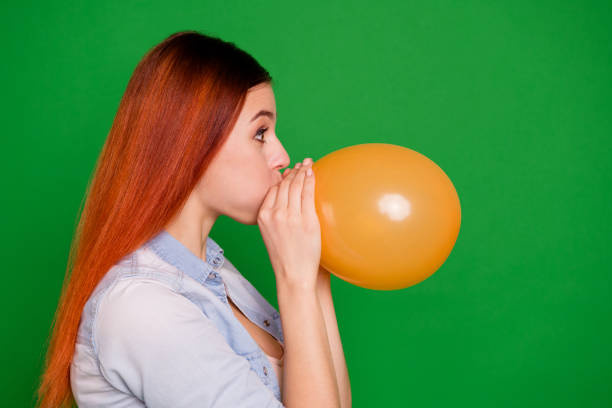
(158, 331)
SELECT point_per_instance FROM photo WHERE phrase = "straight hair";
(178, 109)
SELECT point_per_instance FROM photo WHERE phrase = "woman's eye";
(261, 132)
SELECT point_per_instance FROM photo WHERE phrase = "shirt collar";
(175, 253)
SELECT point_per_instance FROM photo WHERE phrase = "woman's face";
(248, 164)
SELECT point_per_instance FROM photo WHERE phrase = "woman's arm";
(308, 371)
(333, 334)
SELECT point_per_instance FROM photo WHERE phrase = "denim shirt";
(158, 331)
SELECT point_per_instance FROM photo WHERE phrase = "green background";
(512, 99)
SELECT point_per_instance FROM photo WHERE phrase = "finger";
(308, 207)
(283, 190)
(270, 198)
(295, 193)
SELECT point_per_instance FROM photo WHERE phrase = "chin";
(246, 218)
(251, 221)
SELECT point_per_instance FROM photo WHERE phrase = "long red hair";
(178, 108)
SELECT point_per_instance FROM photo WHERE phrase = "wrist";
(323, 280)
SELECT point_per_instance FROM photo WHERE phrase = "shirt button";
(217, 260)
(265, 370)
(267, 322)
(213, 275)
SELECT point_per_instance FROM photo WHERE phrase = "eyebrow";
(263, 113)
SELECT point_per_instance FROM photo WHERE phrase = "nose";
(281, 160)
(284, 162)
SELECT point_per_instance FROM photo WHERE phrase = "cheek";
(238, 189)
(245, 189)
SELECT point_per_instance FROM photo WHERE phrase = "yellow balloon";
(389, 216)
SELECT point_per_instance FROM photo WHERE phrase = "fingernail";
(297, 165)
(309, 171)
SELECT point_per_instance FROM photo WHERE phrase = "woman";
(151, 312)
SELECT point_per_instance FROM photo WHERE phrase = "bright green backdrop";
(512, 99)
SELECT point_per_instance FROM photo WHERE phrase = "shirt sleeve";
(157, 345)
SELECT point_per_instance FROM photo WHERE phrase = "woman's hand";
(323, 275)
(290, 228)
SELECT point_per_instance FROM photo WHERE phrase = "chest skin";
(266, 341)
